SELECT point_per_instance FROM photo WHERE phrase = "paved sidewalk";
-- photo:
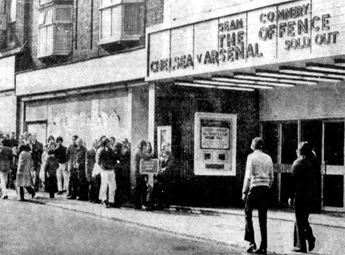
(225, 226)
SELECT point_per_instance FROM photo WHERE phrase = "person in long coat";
(94, 181)
(140, 188)
(163, 182)
(303, 171)
(79, 186)
(25, 166)
(120, 176)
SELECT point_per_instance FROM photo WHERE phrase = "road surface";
(33, 228)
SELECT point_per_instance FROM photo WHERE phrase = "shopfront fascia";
(262, 54)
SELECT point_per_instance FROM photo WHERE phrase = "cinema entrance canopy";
(285, 45)
(290, 56)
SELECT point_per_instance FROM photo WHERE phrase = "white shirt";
(259, 171)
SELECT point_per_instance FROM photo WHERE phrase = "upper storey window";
(121, 20)
(12, 10)
(54, 29)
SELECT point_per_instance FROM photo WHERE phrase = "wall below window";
(8, 112)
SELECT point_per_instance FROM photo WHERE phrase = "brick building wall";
(85, 35)
(3, 36)
(154, 12)
(13, 36)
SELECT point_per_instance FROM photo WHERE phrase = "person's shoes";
(60, 192)
(33, 194)
(5, 197)
(261, 251)
(252, 248)
(97, 201)
(105, 204)
(311, 243)
(112, 205)
(300, 250)
(21, 199)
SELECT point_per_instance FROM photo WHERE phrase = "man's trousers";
(257, 198)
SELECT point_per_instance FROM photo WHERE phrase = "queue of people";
(99, 175)
(82, 174)
(102, 175)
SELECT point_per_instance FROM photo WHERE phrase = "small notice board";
(149, 166)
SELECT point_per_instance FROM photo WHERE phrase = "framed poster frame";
(163, 139)
(215, 139)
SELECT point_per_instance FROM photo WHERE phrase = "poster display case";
(215, 144)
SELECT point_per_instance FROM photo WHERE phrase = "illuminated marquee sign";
(296, 30)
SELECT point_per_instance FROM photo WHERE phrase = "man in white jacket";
(257, 182)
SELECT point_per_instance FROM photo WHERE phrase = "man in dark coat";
(36, 151)
(94, 181)
(62, 172)
(77, 176)
(303, 170)
(70, 155)
(50, 166)
(13, 142)
(140, 188)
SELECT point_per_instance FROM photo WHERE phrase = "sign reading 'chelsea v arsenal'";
(297, 30)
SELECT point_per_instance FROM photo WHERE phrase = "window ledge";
(120, 39)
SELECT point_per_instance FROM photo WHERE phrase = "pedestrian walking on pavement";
(50, 167)
(257, 182)
(105, 158)
(303, 170)
(25, 167)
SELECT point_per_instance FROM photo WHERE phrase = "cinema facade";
(221, 77)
